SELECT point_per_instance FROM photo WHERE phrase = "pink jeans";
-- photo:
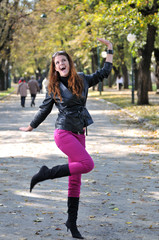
(73, 145)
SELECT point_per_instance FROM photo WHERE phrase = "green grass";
(7, 92)
(123, 99)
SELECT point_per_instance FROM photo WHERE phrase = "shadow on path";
(119, 198)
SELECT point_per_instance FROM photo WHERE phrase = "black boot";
(45, 173)
(73, 203)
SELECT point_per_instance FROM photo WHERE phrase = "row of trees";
(32, 30)
(11, 13)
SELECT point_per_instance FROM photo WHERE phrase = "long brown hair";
(75, 83)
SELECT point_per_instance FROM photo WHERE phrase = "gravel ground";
(119, 198)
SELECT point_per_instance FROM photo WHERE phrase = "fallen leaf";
(130, 230)
(108, 194)
(58, 229)
(116, 209)
(147, 177)
(38, 220)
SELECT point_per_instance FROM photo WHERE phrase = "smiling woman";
(68, 90)
(62, 65)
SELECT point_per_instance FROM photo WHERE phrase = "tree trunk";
(149, 82)
(144, 66)
(78, 63)
(116, 73)
(1, 79)
(110, 80)
(136, 74)
(156, 51)
(3, 84)
(123, 65)
(7, 74)
(94, 61)
(125, 75)
(157, 84)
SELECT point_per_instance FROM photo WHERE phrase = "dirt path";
(119, 198)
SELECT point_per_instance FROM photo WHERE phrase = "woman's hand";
(109, 57)
(106, 42)
(26, 129)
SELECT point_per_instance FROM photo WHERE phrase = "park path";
(119, 198)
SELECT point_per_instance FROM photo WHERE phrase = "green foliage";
(75, 25)
(7, 92)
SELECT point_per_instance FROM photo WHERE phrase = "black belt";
(80, 132)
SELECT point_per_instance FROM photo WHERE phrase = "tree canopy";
(39, 28)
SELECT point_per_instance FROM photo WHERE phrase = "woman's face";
(62, 65)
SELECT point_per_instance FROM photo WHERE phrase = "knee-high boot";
(45, 173)
(73, 203)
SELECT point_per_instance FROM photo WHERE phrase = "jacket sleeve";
(44, 110)
(99, 75)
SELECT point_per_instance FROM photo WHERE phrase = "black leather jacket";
(73, 115)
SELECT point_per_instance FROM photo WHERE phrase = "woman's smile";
(62, 65)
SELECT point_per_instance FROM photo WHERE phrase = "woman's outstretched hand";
(106, 42)
(26, 129)
(109, 45)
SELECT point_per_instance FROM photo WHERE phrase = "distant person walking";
(20, 80)
(33, 88)
(22, 90)
(40, 80)
(119, 82)
(45, 85)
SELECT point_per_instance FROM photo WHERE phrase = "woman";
(119, 82)
(68, 91)
(22, 90)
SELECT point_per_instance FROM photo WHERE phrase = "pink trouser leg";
(73, 145)
(74, 185)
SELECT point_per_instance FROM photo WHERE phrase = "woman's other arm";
(109, 57)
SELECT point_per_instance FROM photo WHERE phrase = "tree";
(10, 13)
(142, 18)
(148, 12)
(156, 53)
(144, 66)
(74, 27)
